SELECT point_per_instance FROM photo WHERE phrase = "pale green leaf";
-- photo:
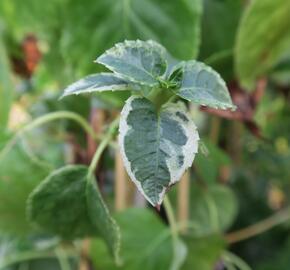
(212, 209)
(204, 252)
(156, 148)
(69, 204)
(6, 87)
(138, 61)
(200, 84)
(263, 37)
(19, 175)
(97, 83)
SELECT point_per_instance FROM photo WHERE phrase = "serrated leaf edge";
(140, 44)
(191, 144)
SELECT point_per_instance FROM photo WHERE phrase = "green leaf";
(213, 209)
(204, 252)
(259, 45)
(69, 204)
(208, 166)
(219, 37)
(19, 175)
(138, 61)
(6, 88)
(146, 243)
(97, 83)
(200, 84)
(156, 147)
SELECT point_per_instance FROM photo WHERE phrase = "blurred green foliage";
(242, 41)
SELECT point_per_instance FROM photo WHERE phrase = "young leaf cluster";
(157, 137)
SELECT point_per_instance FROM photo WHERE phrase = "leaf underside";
(156, 148)
(200, 84)
(68, 204)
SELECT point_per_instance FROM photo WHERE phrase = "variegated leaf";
(138, 61)
(200, 84)
(156, 147)
(97, 83)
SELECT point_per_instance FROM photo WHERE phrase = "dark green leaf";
(200, 84)
(69, 204)
(156, 148)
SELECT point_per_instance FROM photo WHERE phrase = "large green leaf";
(146, 243)
(213, 209)
(68, 203)
(208, 166)
(219, 24)
(263, 37)
(203, 252)
(156, 147)
(200, 84)
(138, 61)
(97, 83)
(6, 88)
(19, 175)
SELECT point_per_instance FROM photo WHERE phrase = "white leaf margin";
(189, 150)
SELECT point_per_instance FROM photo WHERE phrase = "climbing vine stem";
(106, 140)
(45, 119)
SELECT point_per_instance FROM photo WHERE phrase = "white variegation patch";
(188, 150)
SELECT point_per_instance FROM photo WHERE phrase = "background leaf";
(69, 204)
(203, 252)
(213, 209)
(6, 87)
(143, 236)
(263, 38)
(19, 175)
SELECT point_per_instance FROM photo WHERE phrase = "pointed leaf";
(69, 204)
(156, 148)
(138, 61)
(200, 84)
(97, 83)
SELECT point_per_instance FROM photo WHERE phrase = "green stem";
(29, 255)
(45, 119)
(63, 259)
(106, 140)
(173, 227)
(260, 227)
